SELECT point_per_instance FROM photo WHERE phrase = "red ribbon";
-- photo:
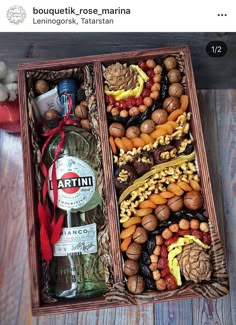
(50, 227)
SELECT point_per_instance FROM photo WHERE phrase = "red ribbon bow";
(50, 228)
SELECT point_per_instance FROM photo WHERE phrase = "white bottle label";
(77, 241)
(75, 181)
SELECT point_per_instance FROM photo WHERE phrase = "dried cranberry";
(164, 252)
(139, 101)
(146, 92)
(171, 240)
(162, 263)
(142, 65)
(197, 234)
(184, 232)
(122, 104)
(170, 281)
(149, 84)
(150, 73)
(206, 238)
(165, 271)
(111, 100)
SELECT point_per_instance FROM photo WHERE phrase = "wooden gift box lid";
(38, 308)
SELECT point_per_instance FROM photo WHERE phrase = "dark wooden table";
(218, 113)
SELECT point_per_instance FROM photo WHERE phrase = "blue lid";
(67, 86)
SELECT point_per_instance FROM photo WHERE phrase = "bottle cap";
(67, 86)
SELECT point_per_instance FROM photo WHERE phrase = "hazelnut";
(132, 132)
(117, 130)
(142, 108)
(175, 203)
(124, 113)
(176, 89)
(148, 101)
(174, 227)
(194, 224)
(184, 224)
(170, 63)
(193, 200)
(81, 111)
(157, 249)
(151, 64)
(171, 103)
(157, 79)
(140, 235)
(135, 284)
(149, 222)
(162, 212)
(134, 111)
(109, 108)
(134, 251)
(160, 284)
(85, 124)
(156, 275)
(153, 267)
(204, 227)
(159, 116)
(154, 258)
(158, 69)
(155, 94)
(115, 111)
(174, 75)
(41, 86)
(156, 85)
(131, 267)
(159, 240)
(51, 114)
(166, 233)
(84, 102)
(148, 127)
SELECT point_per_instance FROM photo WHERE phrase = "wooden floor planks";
(218, 113)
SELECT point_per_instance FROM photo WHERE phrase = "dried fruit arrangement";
(165, 236)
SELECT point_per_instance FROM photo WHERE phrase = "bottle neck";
(68, 103)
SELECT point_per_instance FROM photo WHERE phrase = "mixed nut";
(165, 236)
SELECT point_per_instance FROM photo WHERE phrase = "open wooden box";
(29, 156)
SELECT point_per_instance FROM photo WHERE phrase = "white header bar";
(118, 16)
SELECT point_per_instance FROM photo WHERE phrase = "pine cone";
(120, 77)
(195, 263)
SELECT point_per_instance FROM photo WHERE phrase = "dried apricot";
(168, 128)
(147, 204)
(195, 186)
(143, 212)
(184, 186)
(132, 221)
(158, 133)
(138, 142)
(146, 138)
(127, 144)
(125, 243)
(127, 232)
(175, 114)
(157, 199)
(173, 124)
(184, 102)
(119, 143)
(174, 188)
(166, 195)
(113, 145)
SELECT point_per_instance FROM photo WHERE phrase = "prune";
(143, 167)
(131, 176)
(150, 284)
(145, 271)
(189, 149)
(145, 258)
(150, 245)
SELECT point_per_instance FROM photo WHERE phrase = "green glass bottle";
(76, 270)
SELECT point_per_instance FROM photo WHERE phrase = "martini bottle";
(76, 269)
